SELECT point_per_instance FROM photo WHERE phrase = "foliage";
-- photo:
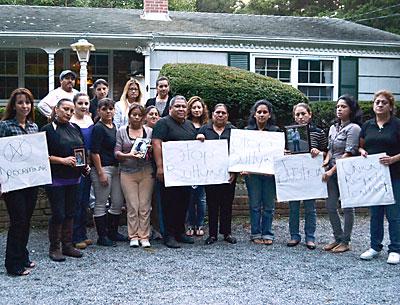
(238, 89)
(216, 6)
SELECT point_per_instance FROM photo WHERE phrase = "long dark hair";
(10, 112)
(356, 114)
(252, 120)
(53, 112)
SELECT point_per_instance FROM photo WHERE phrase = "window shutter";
(239, 60)
(348, 76)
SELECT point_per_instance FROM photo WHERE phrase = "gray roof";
(88, 22)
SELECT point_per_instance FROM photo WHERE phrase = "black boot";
(55, 243)
(101, 225)
(113, 223)
(66, 239)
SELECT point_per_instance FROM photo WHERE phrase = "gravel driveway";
(244, 273)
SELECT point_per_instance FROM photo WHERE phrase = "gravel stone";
(221, 273)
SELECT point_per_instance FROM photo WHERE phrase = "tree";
(216, 6)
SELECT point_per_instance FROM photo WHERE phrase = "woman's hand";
(69, 161)
(314, 152)
(200, 137)
(327, 175)
(86, 170)
(160, 174)
(387, 160)
(103, 178)
(363, 152)
(232, 177)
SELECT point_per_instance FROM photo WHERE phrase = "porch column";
(51, 53)
(146, 55)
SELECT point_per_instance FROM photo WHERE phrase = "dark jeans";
(219, 201)
(20, 205)
(175, 202)
(62, 200)
(80, 218)
(158, 216)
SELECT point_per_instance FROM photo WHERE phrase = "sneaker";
(394, 258)
(145, 243)
(134, 243)
(369, 254)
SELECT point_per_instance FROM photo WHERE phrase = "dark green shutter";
(239, 60)
(348, 76)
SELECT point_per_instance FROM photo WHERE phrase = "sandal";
(199, 231)
(19, 272)
(258, 241)
(268, 242)
(30, 265)
(189, 231)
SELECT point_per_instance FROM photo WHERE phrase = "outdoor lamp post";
(82, 49)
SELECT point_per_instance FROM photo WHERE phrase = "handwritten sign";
(195, 162)
(254, 151)
(299, 177)
(364, 182)
(24, 162)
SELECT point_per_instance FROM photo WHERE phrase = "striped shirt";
(318, 138)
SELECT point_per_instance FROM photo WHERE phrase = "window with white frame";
(36, 72)
(8, 72)
(278, 68)
(315, 79)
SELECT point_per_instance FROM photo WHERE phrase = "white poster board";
(364, 182)
(195, 162)
(254, 151)
(299, 177)
(24, 162)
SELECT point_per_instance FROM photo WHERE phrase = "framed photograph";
(297, 138)
(140, 147)
(80, 157)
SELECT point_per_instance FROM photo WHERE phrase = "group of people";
(119, 175)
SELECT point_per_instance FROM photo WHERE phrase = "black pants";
(20, 205)
(175, 204)
(219, 202)
(62, 200)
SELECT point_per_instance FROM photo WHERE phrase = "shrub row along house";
(322, 57)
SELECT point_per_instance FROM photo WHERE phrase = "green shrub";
(324, 112)
(238, 89)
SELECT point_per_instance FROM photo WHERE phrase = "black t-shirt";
(385, 139)
(210, 134)
(167, 129)
(103, 143)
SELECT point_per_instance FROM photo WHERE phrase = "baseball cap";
(65, 73)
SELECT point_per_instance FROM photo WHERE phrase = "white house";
(323, 57)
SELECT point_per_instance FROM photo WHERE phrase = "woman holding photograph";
(261, 188)
(382, 135)
(198, 114)
(132, 94)
(343, 141)
(137, 179)
(83, 119)
(318, 142)
(63, 137)
(105, 176)
(18, 119)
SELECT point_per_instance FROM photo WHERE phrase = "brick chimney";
(155, 10)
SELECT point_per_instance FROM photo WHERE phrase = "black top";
(61, 142)
(267, 127)
(167, 129)
(152, 102)
(210, 134)
(93, 107)
(103, 143)
(385, 139)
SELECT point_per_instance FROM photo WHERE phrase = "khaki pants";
(138, 189)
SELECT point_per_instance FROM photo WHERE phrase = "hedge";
(238, 89)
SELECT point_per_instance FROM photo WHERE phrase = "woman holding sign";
(382, 135)
(342, 143)
(136, 172)
(63, 138)
(302, 115)
(18, 119)
(261, 188)
(219, 196)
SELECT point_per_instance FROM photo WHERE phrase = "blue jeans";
(261, 191)
(80, 217)
(197, 206)
(393, 217)
(310, 217)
